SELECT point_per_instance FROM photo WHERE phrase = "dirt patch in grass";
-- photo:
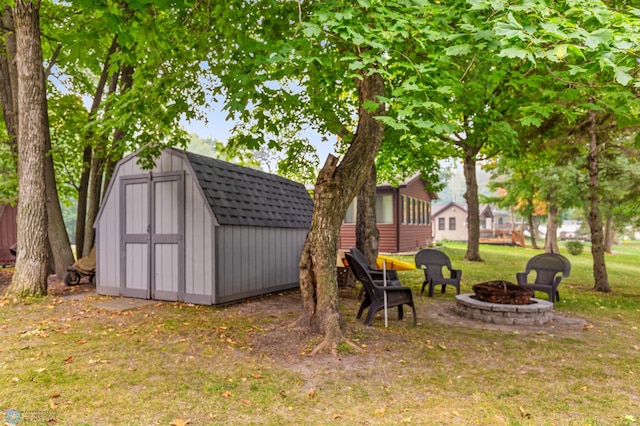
(283, 342)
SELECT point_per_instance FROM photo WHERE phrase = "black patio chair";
(376, 274)
(550, 269)
(433, 263)
(375, 291)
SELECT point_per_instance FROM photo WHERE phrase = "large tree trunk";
(335, 188)
(83, 191)
(551, 240)
(367, 235)
(473, 207)
(93, 202)
(595, 222)
(30, 277)
(62, 255)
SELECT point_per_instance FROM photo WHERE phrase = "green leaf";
(602, 36)
(509, 31)
(531, 120)
(444, 90)
(513, 21)
(514, 52)
(370, 106)
(392, 122)
(311, 30)
(575, 50)
(457, 50)
(622, 76)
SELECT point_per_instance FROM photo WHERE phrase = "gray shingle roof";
(242, 196)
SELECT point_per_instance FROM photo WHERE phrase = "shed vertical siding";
(253, 259)
(199, 260)
(108, 240)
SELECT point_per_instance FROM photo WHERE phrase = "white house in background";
(450, 223)
(495, 220)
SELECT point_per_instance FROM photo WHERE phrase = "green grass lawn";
(169, 363)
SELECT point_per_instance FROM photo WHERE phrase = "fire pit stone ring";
(536, 312)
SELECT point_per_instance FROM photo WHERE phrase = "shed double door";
(152, 230)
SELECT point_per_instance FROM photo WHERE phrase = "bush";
(575, 247)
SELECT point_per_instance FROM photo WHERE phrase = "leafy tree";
(332, 67)
(589, 51)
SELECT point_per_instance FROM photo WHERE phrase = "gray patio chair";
(550, 269)
(376, 274)
(375, 291)
(433, 262)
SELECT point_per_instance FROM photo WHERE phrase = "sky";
(218, 128)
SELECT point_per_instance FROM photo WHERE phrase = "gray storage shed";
(199, 230)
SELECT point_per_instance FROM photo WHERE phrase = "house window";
(441, 224)
(415, 211)
(351, 215)
(452, 224)
(384, 209)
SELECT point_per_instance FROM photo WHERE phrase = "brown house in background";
(403, 215)
(8, 232)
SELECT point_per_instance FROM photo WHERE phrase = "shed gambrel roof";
(242, 196)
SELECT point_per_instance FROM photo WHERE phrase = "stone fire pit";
(502, 292)
(503, 303)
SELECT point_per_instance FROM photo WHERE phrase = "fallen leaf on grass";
(256, 376)
(312, 393)
(54, 395)
(180, 422)
(442, 346)
(381, 411)
(524, 414)
(226, 394)
(587, 327)
(52, 404)
(246, 402)
(68, 359)
(81, 341)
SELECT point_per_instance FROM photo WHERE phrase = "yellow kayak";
(396, 264)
